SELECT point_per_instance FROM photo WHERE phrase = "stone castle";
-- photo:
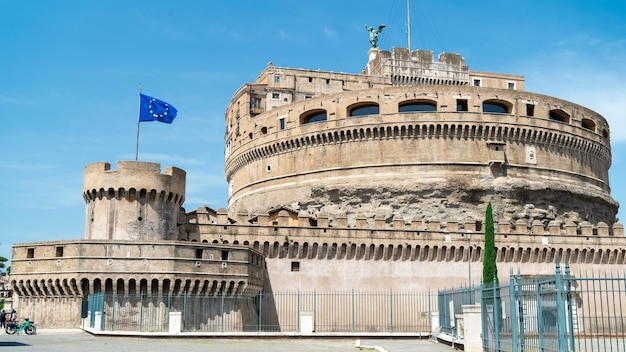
(375, 181)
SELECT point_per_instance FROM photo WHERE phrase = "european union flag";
(151, 109)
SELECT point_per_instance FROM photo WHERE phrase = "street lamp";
(468, 234)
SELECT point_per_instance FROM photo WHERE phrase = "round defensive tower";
(405, 145)
(134, 202)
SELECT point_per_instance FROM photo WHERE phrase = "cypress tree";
(490, 271)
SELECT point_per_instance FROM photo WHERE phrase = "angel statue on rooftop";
(374, 34)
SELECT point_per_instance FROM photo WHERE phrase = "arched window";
(589, 124)
(559, 115)
(364, 109)
(417, 106)
(496, 107)
(313, 116)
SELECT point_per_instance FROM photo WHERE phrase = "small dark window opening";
(30, 253)
(282, 123)
(198, 253)
(558, 115)
(59, 251)
(310, 79)
(461, 105)
(327, 81)
(476, 83)
(423, 106)
(315, 117)
(295, 266)
(224, 255)
(588, 124)
(530, 110)
(365, 110)
(250, 135)
(495, 108)
(264, 130)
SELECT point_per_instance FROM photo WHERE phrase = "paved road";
(77, 341)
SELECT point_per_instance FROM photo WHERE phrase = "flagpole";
(138, 121)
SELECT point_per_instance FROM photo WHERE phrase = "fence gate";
(558, 312)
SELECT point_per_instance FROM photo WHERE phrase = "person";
(2, 318)
(13, 316)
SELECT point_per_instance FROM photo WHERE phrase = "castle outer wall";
(415, 256)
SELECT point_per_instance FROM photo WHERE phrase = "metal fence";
(349, 312)
(561, 312)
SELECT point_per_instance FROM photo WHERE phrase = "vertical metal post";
(353, 310)
(560, 312)
(113, 312)
(223, 293)
(299, 313)
(539, 314)
(469, 261)
(140, 310)
(520, 296)
(261, 310)
(169, 306)
(483, 317)
(430, 323)
(184, 308)
(614, 304)
(497, 306)
(620, 280)
(514, 346)
(570, 310)
(597, 323)
(314, 308)
(390, 310)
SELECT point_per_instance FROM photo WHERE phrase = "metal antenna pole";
(408, 11)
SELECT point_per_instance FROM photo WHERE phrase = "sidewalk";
(74, 340)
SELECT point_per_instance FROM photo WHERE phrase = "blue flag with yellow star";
(151, 109)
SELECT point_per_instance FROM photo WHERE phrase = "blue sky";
(70, 73)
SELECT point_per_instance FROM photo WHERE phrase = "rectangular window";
(256, 103)
(295, 266)
(276, 96)
(530, 110)
(461, 105)
(30, 253)
(59, 251)
(277, 79)
(282, 123)
(477, 83)
(198, 253)
(511, 85)
(310, 79)
(224, 255)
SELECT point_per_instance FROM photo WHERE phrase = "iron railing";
(560, 312)
(336, 312)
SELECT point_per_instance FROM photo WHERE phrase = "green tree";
(2, 261)
(490, 270)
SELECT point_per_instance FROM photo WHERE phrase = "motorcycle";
(28, 327)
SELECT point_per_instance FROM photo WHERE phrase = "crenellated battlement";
(131, 177)
(372, 239)
(370, 224)
(136, 201)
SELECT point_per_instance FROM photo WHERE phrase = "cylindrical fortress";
(434, 152)
(134, 202)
